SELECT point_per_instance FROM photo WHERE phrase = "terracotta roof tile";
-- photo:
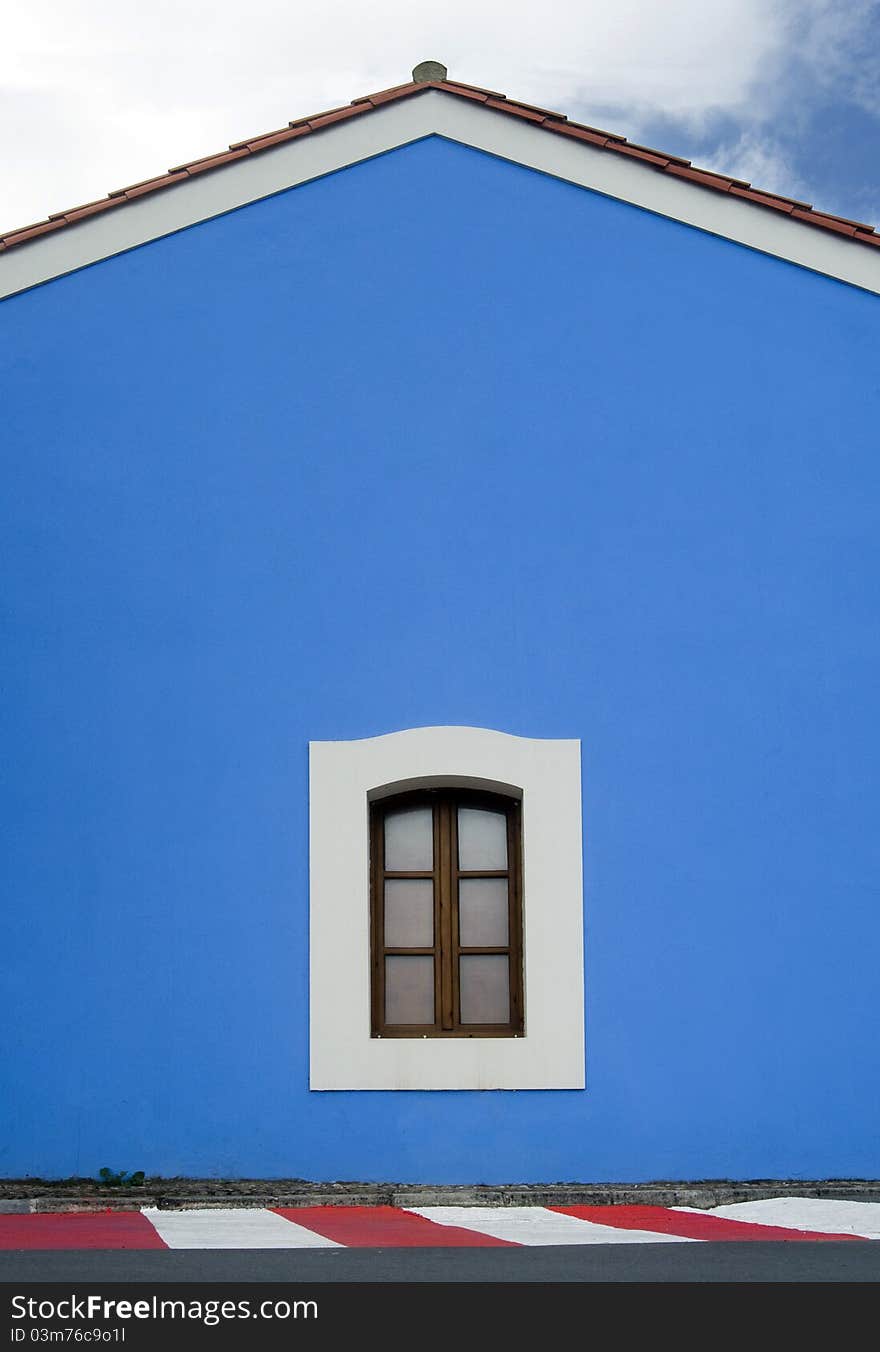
(670, 159)
(516, 106)
(340, 115)
(763, 199)
(538, 117)
(209, 162)
(383, 95)
(166, 181)
(461, 91)
(92, 209)
(775, 199)
(705, 177)
(275, 138)
(62, 215)
(824, 216)
(649, 156)
(386, 95)
(827, 222)
(518, 109)
(477, 89)
(595, 138)
(259, 136)
(326, 112)
(26, 232)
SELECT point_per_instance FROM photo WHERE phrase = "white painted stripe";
(396, 124)
(233, 1228)
(534, 1225)
(825, 1215)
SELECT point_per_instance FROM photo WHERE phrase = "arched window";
(446, 914)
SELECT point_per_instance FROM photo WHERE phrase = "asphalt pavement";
(707, 1262)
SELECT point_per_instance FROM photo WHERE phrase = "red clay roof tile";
(477, 89)
(763, 199)
(275, 138)
(539, 117)
(31, 231)
(93, 209)
(704, 177)
(670, 159)
(518, 109)
(326, 112)
(517, 105)
(461, 91)
(258, 136)
(649, 156)
(209, 162)
(340, 115)
(827, 222)
(60, 215)
(216, 161)
(383, 95)
(595, 138)
(151, 184)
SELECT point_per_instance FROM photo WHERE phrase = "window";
(446, 915)
(532, 784)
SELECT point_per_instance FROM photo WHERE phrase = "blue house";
(441, 664)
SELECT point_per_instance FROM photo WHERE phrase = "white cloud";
(98, 93)
(840, 47)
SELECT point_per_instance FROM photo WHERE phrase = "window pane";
(409, 913)
(484, 988)
(409, 990)
(482, 839)
(482, 912)
(409, 840)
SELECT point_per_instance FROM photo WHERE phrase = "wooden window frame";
(446, 949)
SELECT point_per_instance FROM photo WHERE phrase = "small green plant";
(111, 1178)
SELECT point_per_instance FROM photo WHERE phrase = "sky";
(98, 94)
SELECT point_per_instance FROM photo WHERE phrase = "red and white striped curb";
(331, 1227)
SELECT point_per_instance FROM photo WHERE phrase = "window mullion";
(436, 874)
(453, 906)
(445, 888)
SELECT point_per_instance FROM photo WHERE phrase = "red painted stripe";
(367, 1227)
(79, 1230)
(687, 1224)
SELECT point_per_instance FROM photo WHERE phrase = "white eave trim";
(396, 124)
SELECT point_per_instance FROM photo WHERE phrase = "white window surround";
(343, 778)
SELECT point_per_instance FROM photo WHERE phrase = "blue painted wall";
(440, 440)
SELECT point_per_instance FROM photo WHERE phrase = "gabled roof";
(552, 124)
